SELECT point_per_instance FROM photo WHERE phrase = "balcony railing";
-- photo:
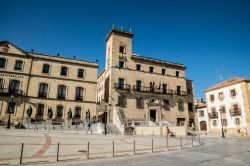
(61, 97)
(122, 86)
(179, 93)
(79, 98)
(213, 115)
(235, 112)
(15, 92)
(42, 94)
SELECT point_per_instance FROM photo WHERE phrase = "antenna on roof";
(130, 30)
(96, 60)
(74, 57)
(113, 26)
(58, 54)
(122, 28)
(220, 74)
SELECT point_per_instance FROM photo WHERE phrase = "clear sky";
(211, 37)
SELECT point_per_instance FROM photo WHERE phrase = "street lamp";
(222, 130)
(10, 111)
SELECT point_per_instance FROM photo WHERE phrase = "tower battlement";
(119, 31)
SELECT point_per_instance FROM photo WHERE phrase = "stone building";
(202, 115)
(142, 88)
(228, 105)
(42, 82)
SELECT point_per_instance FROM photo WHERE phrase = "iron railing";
(7, 91)
(122, 86)
(235, 112)
(213, 115)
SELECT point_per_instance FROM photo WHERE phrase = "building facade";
(40, 81)
(228, 105)
(202, 115)
(145, 89)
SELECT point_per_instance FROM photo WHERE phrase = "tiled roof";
(227, 82)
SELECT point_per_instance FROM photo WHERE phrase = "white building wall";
(227, 102)
(203, 118)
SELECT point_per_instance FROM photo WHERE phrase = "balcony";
(213, 115)
(119, 86)
(180, 93)
(235, 112)
(42, 95)
(79, 98)
(9, 92)
(61, 97)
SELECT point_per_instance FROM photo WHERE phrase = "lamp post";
(10, 111)
(222, 130)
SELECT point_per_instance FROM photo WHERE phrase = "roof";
(228, 82)
(139, 57)
(120, 32)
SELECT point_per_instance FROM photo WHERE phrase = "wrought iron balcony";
(79, 98)
(213, 115)
(235, 112)
(8, 92)
(42, 94)
(122, 86)
(179, 93)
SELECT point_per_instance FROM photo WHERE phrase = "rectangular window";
(237, 121)
(19, 65)
(78, 112)
(177, 74)
(139, 102)
(214, 122)
(163, 71)
(79, 93)
(138, 67)
(64, 71)
(178, 89)
(223, 109)
(122, 49)
(211, 97)
(180, 105)
(1, 83)
(138, 85)
(164, 88)
(2, 62)
(40, 110)
(189, 91)
(121, 101)
(80, 73)
(14, 86)
(221, 96)
(201, 113)
(121, 64)
(233, 93)
(152, 86)
(151, 69)
(43, 90)
(120, 83)
(190, 107)
(46, 68)
(59, 111)
(166, 105)
(61, 92)
(11, 108)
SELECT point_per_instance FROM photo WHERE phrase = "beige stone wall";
(53, 79)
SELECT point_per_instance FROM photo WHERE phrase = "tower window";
(177, 74)
(122, 49)
(138, 67)
(80, 73)
(151, 69)
(64, 71)
(163, 71)
(121, 64)
(2, 62)
(19, 65)
(46, 68)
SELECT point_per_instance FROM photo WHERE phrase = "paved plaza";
(41, 147)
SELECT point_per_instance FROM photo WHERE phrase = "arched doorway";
(203, 126)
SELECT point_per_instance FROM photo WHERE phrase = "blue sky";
(211, 37)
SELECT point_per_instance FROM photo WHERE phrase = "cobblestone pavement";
(41, 147)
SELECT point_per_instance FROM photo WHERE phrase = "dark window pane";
(43, 90)
(2, 62)
(177, 74)
(64, 71)
(190, 107)
(19, 65)
(121, 64)
(138, 67)
(163, 71)
(61, 92)
(59, 111)
(46, 68)
(151, 69)
(14, 85)
(122, 49)
(80, 73)
(78, 112)
(79, 93)
(40, 110)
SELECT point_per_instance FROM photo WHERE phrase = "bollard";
(167, 143)
(134, 147)
(192, 141)
(152, 145)
(181, 143)
(21, 156)
(199, 139)
(49, 128)
(57, 154)
(113, 154)
(88, 151)
(153, 133)
(77, 131)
